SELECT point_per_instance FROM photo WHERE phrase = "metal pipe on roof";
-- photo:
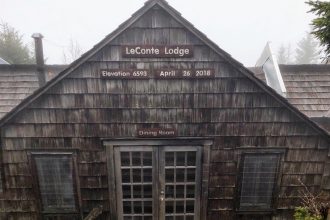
(39, 58)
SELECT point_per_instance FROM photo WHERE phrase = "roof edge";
(305, 67)
(29, 66)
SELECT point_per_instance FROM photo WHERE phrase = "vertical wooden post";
(39, 54)
(111, 181)
(205, 180)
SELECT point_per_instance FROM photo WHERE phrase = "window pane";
(56, 181)
(258, 180)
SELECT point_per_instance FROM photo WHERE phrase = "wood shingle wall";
(83, 108)
(19, 81)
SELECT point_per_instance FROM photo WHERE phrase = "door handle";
(162, 196)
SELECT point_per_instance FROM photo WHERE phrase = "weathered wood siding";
(19, 81)
(83, 108)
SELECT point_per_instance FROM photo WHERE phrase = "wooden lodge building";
(157, 122)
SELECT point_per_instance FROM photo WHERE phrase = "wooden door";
(158, 182)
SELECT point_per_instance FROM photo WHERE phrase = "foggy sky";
(240, 27)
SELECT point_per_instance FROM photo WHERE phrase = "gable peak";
(156, 1)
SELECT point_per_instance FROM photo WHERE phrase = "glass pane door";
(135, 168)
(158, 183)
(180, 183)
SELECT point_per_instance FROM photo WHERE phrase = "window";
(258, 180)
(55, 179)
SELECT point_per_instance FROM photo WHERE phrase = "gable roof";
(308, 87)
(19, 81)
(190, 27)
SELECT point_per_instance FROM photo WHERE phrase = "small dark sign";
(157, 51)
(125, 74)
(187, 73)
(156, 132)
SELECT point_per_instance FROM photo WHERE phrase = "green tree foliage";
(321, 24)
(12, 48)
(302, 213)
(307, 50)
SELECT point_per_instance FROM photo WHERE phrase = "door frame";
(205, 143)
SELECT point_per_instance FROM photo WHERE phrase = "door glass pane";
(136, 175)
(125, 160)
(169, 175)
(169, 190)
(147, 175)
(190, 191)
(136, 170)
(191, 158)
(137, 192)
(147, 191)
(169, 207)
(126, 191)
(179, 206)
(127, 207)
(180, 191)
(180, 184)
(147, 159)
(180, 158)
(136, 158)
(126, 175)
(191, 172)
(169, 159)
(137, 207)
(180, 175)
(190, 207)
(148, 207)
